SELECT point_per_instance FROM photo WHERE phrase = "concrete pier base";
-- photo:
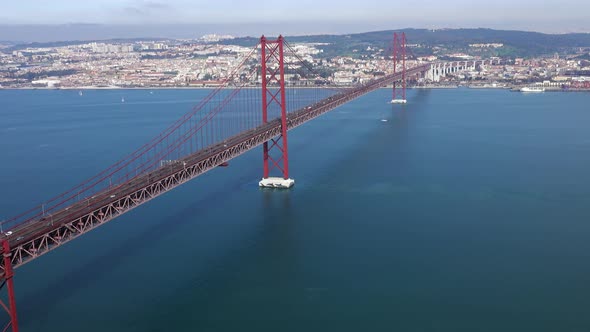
(398, 101)
(274, 182)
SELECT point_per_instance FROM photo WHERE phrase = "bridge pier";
(435, 73)
(273, 99)
(440, 70)
(276, 182)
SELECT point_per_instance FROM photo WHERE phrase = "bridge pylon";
(274, 100)
(399, 59)
(8, 282)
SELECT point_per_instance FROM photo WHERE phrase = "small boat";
(122, 99)
(535, 89)
(384, 120)
(80, 93)
(225, 164)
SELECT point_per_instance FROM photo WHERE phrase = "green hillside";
(517, 43)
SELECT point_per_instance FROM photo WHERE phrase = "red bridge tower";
(399, 58)
(274, 100)
(8, 282)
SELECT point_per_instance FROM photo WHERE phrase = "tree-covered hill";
(517, 43)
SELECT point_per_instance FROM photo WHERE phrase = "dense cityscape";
(207, 61)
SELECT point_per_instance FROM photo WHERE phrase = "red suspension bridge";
(230, 121)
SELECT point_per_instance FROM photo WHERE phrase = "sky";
(304, 16)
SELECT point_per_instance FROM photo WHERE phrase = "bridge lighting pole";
(274, 100)
(399, 57)
(8, 282)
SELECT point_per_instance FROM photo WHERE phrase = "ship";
(532, 89)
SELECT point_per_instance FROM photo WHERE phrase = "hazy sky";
(310, 16)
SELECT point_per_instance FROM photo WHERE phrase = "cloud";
(156, 5)
(146, 8)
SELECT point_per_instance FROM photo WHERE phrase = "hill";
(20, 46)
(517, 43)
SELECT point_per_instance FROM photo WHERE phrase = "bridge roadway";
(34, 238)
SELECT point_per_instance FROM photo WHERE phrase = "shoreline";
(433, 87)
(213, 87)
(153, 88)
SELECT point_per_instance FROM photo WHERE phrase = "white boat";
(123, 99)
(532, 89)
(80, 92)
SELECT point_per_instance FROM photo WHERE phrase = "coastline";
(84, 88)
(437, 87)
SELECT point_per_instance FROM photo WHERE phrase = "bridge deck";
(35, 238)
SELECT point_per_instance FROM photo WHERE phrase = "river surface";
(467, 210)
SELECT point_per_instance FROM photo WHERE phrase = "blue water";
(468, 210)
